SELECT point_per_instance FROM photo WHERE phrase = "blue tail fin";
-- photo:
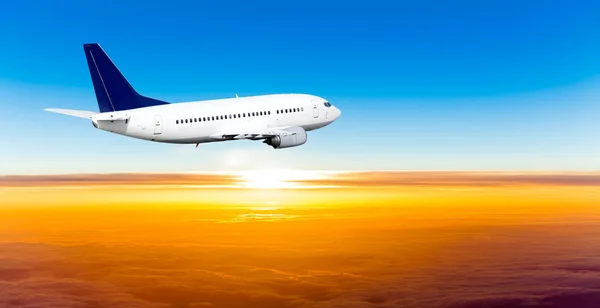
(113, 92)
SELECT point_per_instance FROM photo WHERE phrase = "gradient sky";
(423, 85)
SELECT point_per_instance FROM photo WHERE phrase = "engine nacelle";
(292, 137)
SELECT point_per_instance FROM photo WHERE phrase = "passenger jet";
(280, 120)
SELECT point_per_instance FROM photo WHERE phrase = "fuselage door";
(158, 125)
(315, 110)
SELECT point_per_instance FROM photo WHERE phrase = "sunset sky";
(336, 239)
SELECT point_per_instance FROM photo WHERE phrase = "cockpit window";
(327, 104)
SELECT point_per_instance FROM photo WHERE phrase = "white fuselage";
(196, 122)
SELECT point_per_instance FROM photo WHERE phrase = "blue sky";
(423, 85)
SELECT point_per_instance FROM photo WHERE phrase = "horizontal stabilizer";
(111, 116)
(75, 113)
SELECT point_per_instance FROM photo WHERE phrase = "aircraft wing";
(75, 113)
(254, 135)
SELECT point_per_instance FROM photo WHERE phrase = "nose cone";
(336, 113)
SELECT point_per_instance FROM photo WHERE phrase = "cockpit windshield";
(327, 104)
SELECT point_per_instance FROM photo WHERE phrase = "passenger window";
(269, 112)
(176, 121)
(301, 108)
(253, 114)
(185, 120)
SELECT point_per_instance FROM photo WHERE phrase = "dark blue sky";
(423, 84)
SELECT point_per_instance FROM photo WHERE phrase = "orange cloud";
(459, 179)
(121, 179)
(317, 179)
(371, 239)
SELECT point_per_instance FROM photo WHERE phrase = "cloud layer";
(313, 179)
(181, 257)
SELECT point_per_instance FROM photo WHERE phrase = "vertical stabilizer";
(113, 91)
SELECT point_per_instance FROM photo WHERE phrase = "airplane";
(280, 120)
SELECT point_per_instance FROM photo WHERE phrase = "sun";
(277, 179)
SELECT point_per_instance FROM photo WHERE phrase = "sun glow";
(278, 179)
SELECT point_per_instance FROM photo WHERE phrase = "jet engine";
(292, 137)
